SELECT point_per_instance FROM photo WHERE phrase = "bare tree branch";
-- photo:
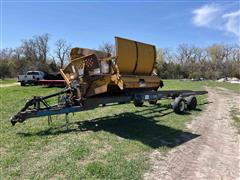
(62, 51)
(107, 47)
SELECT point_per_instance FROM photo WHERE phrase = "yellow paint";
(131, 68)
(64, 77)
(134, 57)
(146, 59)
(126, 53)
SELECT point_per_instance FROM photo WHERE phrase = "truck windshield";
(32, 73)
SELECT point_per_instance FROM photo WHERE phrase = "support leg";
(66, 117)
(73, 117)
(49, 120)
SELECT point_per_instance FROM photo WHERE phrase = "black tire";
(23, 84)
(154, 102)
(138, 103)
(191, 102)
(122, 102)
(179, 105)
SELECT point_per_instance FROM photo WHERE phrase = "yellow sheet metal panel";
(134, 57)
(146, 59)
(126, 52)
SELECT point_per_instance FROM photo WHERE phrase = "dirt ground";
(9, 85)
(215, 154)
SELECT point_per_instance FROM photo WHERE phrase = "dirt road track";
(215, 154)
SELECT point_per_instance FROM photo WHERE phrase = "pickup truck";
(31, 77)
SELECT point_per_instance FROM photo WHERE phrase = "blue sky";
(88, 24)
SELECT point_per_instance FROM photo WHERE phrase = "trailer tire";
(191, 102)
(179, 105)
(138, 103)
(23, 84)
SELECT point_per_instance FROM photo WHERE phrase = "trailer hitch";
(34, 105)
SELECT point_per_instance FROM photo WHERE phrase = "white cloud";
(215, 17)
(206, 14)
(233, 22)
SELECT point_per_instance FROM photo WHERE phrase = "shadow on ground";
(139, 126)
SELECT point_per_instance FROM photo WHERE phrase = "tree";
(185, 53)
(235, 53)
(29, 50)
(107, 47)
(4, 70)
(36, 48)
(17, 53)
(42, 46)
(6, 53)
(163, 57)
(62, 51)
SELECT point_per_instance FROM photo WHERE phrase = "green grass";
(195, 85)
(8, 81)
(226, 85)
(106, 143)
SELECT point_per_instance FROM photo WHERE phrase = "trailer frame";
(38, 106)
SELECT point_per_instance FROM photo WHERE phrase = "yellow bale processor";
(96, 78)
(94, 72)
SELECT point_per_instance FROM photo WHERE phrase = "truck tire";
(138, 103)
(179, 105)
(23, 84)
(152, 102)
(191, 102)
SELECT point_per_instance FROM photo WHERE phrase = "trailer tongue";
(96, 78)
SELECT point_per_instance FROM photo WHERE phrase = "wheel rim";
(181, 106)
